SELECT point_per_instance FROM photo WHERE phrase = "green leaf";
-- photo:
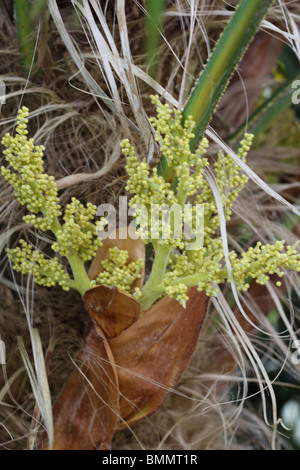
(222, 63)
(153, 25)
(220, 66)
(25, 30)
(270, 110)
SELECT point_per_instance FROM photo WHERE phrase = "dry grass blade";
(129, 78)
(250, 173)
(6, 235)
(85, 177)
(91, 82)
(102, 47)
(39, 381)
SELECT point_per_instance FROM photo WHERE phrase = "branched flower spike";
(33, 188)
(46, 272)
(178, 263)
(76, 235)
(176, 266)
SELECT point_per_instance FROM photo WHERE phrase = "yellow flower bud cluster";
(230, 180)
(78, 234)
(206, 267)
(261, 261)
(229, 176)
(118, 272)
(150, 189)
(45, 272)
(147, 188)
(33, 188)
(174, 135)
(76, 237)
(176, 267)
(179, 292)
(203, 268)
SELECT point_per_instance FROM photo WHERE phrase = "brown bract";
(111, 309)
(152, 354)
(123, 379)
(86, 412)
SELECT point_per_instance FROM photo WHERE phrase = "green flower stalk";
(75, 230)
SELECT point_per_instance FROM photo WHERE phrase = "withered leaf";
(124, 379)
(87, 411)
(111, 309)
(151, 355)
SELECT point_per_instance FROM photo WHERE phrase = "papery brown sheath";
(123, 379)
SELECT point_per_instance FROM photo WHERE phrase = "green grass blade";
(223, 61)
(153, 24)
(38, 379)
(25, 29)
